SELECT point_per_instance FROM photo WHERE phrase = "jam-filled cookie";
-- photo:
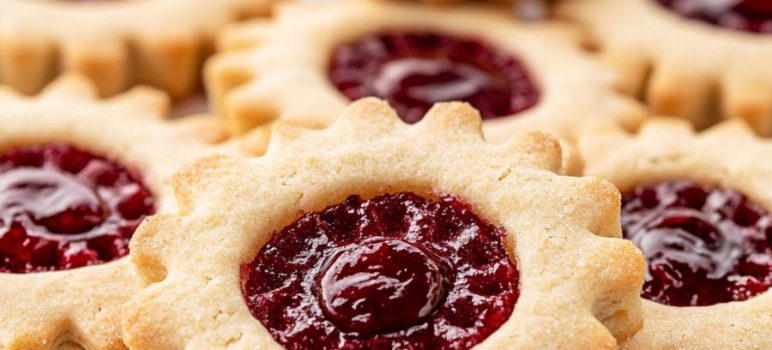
(313, 59)
(77, 177)
(698, 206)
(376, 234)
(696, 59)
(116, 43)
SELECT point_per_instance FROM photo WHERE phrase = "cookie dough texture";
(579, 280)
(681, 67)
(117, 44)
(82, 306)
(728, 155)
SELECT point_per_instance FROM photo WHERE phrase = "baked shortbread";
(698, 205)
(77, 176)
(701, 60)
(118, 44)
(312, 59)
(375, 233)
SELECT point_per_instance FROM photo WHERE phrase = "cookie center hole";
(414, 70)
(704, 245)
(62, 207)
(381, 273)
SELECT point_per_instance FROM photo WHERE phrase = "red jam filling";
(63, 208)
(397, 271)
(704, 245)
(414, 70)
(753, 16)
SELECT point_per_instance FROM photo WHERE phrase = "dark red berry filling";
(704, 245)
(414, 70)
(359, 281)
(398, 271)
(753, 16)
(62, 208)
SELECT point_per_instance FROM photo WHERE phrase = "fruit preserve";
(392, 272)
(414, 70)
(704, 245)
(62, 207)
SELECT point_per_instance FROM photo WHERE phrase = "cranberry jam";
(753, 16)
(398, 271)
(414, 70)
(704, 245)
(62, 208)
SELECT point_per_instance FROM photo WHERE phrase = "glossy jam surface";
(753, 16)
(414, 70)
(704, 245)
(63, 208)
(398, 271)
(362, 281)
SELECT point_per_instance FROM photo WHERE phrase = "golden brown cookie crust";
(683, 67)
(727, 155)
(117, 44)
(277, 69)
(82, 306)
(579, 281)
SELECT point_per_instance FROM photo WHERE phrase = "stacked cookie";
(385, 175)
